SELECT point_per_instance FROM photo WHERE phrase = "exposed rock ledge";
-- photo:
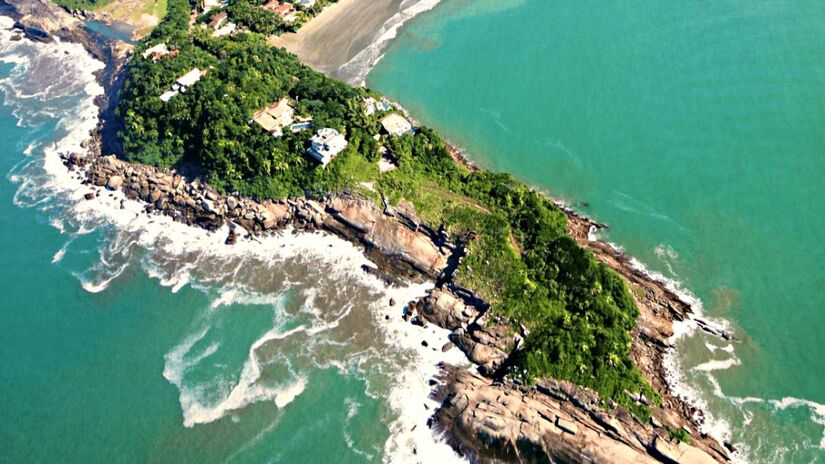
(491, 421)
(398, 243)
(42, 19)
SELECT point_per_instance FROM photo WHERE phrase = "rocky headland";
(484, 416)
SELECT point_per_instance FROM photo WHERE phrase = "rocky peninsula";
(486, 416)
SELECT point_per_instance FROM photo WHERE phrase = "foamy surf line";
(718, 428)
(47, 184)
(356, 69)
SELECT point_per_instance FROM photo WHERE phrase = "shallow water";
(132, 338)
(115, 31)
(694, 129)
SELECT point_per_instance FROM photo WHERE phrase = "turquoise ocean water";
(128, 338)
(696, 130)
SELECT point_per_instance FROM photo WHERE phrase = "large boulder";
(114, 182)
(446, 310)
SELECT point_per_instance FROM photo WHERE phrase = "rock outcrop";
(399, 249)
(502, 422)
(42, 19)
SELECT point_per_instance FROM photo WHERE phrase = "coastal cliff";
(485, 415)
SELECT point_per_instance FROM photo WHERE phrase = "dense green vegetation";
(520, 259)
(82, 4)
(251, 15)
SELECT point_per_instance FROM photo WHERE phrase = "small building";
(218, 20)
(275, 117)
(184, 82)
(166, 96)
(395, 124)
(304, 4)
(371, 105)
(228, 29)
(285, 11)
(326, 145)
(157, 52)
(208, 5)
(190, 78)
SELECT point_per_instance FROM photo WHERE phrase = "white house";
(184, 82)
(326, 145)
(395, 124)
(157, 52)
(189, 79)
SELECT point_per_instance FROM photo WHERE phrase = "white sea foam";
(288, 394)
(247, 390)
(717, 365)
(6, 22)
(717, 427)
(817, 411)
(356, 69)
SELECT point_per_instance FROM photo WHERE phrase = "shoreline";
(348, 38)
(604, 251)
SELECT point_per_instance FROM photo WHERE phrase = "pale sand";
(340, 32)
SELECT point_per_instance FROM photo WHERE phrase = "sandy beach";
(346, 30)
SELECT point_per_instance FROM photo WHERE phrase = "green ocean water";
(129, 338)
(696, 131)
(81, 374)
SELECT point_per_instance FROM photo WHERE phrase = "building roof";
(395, 124)
(326, 144)
(284, 9)
(189, 79)
(207, 5)
(275, 116)
(168, 95)
(263, 119)
(225, 30)
(218, 19)
(156, 50)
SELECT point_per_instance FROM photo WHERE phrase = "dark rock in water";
(89, 196)
(424, 343)
(37, 34)
(392, 301)
(231, 238)
(447, 347)
(418, 321)
(432, 382)
(730, 446)
(387, 317)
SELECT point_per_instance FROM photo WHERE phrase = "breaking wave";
(322, 311)
(356, 69)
